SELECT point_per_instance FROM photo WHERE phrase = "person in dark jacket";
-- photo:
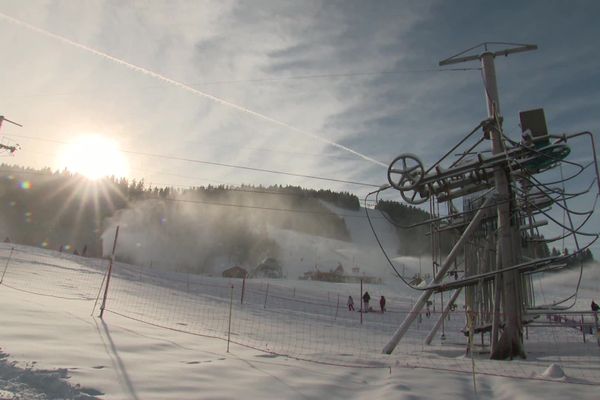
(382, 304)
(595, 306)
(366, 299)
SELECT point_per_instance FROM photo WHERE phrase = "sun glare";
(94, 157)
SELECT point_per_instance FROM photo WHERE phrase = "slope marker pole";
(6, 266)
(112, 260)
(266, 296)
(361, 302)
(230, 311)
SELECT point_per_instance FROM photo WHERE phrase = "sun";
(94, 157)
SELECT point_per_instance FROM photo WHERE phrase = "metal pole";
(471, 324)
(112, 260)
(491, 87)
(266, 295)
(439, 322)
(433, 247)
(6, 266)
(596, 326)
(443, 316)
(230, 312)
(362, 304)
(583, 328)
(497, 300)
(414, 313)
(99, 291)
(510, 281)
(243, 289)
(337, 307)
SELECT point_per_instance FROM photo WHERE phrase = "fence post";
(337, 307)
(6, 266)
(230, 311)
(596, 326)
(471, 326)
(112, 259)
(583, 328)
(243, 289)
(360, 299)
(443, 337)
(266, 295)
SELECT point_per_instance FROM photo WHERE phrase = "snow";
(303, 252)
(554, 371)
(163, 336)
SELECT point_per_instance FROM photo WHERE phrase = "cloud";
(58, 91)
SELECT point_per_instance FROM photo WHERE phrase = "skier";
(366, 298)
(595, 306)
(382, 304)
(350, 303)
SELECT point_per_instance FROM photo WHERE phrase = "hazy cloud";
(231, 49)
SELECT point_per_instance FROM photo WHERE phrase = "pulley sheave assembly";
(405, 173)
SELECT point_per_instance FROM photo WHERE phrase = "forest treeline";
(61, 210)
(414, 240)
(53, 209)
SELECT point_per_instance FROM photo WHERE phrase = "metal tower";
(499, 244)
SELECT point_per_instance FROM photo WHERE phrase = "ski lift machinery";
(506, 197)
(9, 147)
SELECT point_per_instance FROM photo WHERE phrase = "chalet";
(235, 272)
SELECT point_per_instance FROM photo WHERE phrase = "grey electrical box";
(535, 121)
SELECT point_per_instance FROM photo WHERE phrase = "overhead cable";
(188, 88)
(219, 164)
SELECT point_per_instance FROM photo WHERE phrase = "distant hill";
(191, 228)
(413, 241)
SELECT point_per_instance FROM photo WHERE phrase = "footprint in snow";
(267, 355)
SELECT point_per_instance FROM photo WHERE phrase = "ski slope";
(164, 336)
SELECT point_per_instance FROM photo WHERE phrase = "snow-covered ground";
(163, 336)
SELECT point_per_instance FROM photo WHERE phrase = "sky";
(334, 89)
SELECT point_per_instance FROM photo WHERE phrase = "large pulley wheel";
(405, 172)
(415, 197)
